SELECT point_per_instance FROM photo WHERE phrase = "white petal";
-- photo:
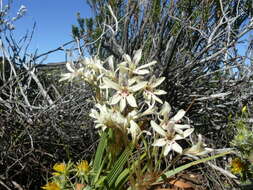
(205, 151)
(69, 67)
(160, 92)
(134, 129)
(111, 84)
(179, 131)
(179, 126)
(176, 147)
(147, 96)
(180, 114)
(100, 125)
(198, 148)
(147, 65)
(127, 58)
(165, 109)
(133, 114)
(158, 82)
(94, 114)
(122, 104)
(80, 70)
(131, 81)
(87, 61)
(151, 110)
(187, 132)
(137, 56)
(157, 99)
(199, 138)
(178, 137)
(115, 99)
(101, 107)
(146, 132)
(118, 118)
(160, 142)
(131, 100)
(138, 86)
(158, 129)
(123, 66)
(167, 149)
(141, 72)
(110, 62)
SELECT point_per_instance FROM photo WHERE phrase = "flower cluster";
(170, 130)
(127, 93)
(62, 171)
(130, 114)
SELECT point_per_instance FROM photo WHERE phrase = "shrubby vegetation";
(243, 142)
(46, 123)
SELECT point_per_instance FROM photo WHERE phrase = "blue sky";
(53, 23)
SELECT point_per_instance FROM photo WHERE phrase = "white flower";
(172, 122)
(135, 131)
(94, 64)
(111, 73)
(124, 94)
(165, 111)
(150, 92)
(198, 149)
(90, 77)
(133, 64)
(169, 138)
(151, 110)
(107, 118)
(180, 114)
(73, 73)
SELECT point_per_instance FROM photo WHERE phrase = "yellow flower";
(83, 167)
(51, 186)
(59, 168)
(237, 166)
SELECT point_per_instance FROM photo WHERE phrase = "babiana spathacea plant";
(139, 135)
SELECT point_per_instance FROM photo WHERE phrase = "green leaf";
(88, 188)
(118, 166)
(99, 155)
(181, 168)
(122, 178)
(98, 179)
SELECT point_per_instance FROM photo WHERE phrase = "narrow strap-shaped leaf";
(118, 166)
(97, 176)
(181, 168)
(87, 188)
(122, 178)
(100, 152)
